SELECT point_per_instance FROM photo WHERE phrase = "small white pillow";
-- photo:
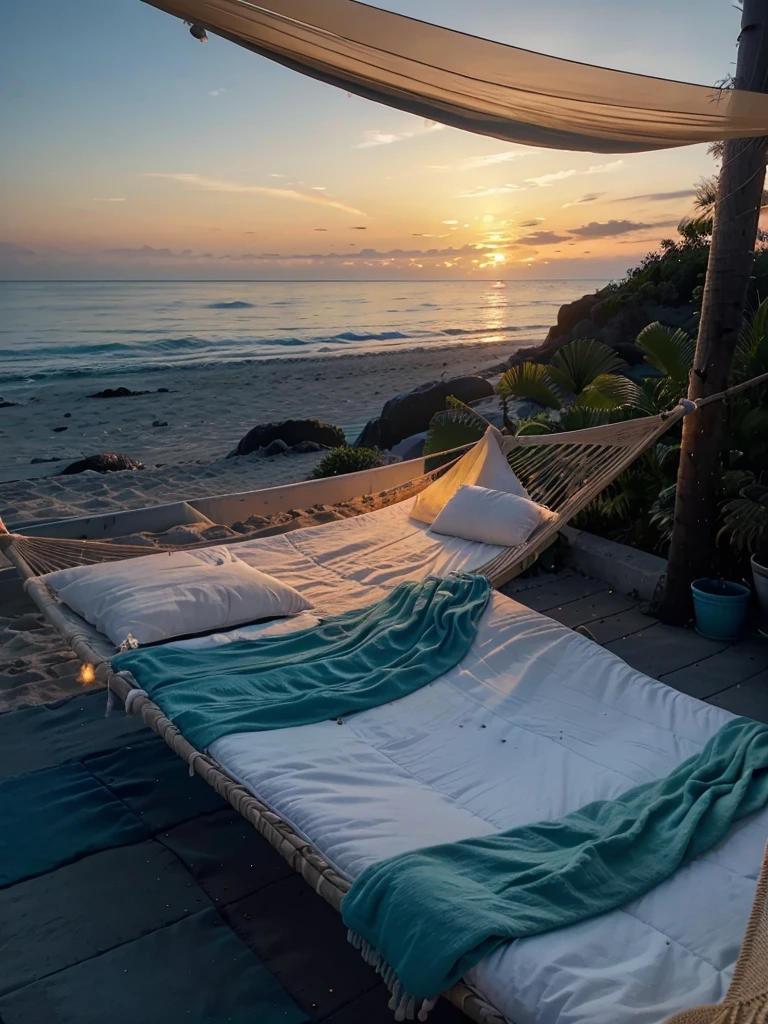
(155, 597)
(485, 465)
(491, 517)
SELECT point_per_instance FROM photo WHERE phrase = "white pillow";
(485, 465)
(155, 597)
(491, 517)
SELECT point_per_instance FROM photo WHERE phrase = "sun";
(498, 257)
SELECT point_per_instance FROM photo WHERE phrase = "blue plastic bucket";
(721, 608)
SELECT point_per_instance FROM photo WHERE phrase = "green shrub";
(347, 459)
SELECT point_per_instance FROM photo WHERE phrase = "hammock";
(474, 84)
(564, 471)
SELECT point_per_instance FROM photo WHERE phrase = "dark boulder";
(571, 314)
(276, 447)
(111, 462)
(117, 393)
(410, 447)
(291, 432)
(307, 448)
(122, 392)
(411, 412)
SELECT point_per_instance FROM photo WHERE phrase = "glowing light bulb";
(87, 675)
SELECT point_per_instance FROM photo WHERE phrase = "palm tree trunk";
(731, 258)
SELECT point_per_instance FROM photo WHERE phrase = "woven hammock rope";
(563, 471)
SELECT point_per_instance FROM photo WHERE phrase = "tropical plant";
(583, 373)
(670, 352)
(581, 386)
(347, 459)
(745, 521)
(700, 225)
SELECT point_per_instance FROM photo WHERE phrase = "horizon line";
(287, 280)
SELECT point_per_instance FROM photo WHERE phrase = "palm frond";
(611, 391)
(580, 417)
(525, 428)
(453, 428)
(745, 519)
(752, 350)
(575, 366)
(531, 381)
(668, 350)
(662, 513)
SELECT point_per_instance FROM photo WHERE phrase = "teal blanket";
(348, 663)
(434, 913)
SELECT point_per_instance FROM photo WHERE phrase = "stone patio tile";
(658, 649)
(616, 627)
(587, 609)
(543, 579)
(734, 665)
(544, 599)
(749, 698)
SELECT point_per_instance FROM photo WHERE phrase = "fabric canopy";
(480, 86)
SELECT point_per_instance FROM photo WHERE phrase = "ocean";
(51, 330)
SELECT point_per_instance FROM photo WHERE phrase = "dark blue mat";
(226, 855)
(281, 923)
(155, 783)
(193, 972)
(56, 816)
(43, 736)
(58, 919)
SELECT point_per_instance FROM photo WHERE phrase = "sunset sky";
(132, 151)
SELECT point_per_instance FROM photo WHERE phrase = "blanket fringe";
(401, 1002)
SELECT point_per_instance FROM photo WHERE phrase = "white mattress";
(535, 722)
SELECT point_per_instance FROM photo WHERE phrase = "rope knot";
(687, 405)
(131, 697)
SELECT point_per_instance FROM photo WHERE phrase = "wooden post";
(731, 258)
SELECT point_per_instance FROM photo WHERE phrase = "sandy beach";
(207, 411)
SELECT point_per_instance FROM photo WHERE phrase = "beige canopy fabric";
(477, 85)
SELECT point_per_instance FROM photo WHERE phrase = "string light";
(87, 674)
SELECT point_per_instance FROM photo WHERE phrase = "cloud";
(13, 251)
(499, 190)
(542, 180)
(473, 163)
(108, 199)
(357, 227)
(542, 238)
(144, 252)
(589, 198)
(546, 180)
(450, 222)
(374, 137)
(531, 223)
(202, 183)
(609, 168)
(608, 229)
(660, 197)
(217, 92)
